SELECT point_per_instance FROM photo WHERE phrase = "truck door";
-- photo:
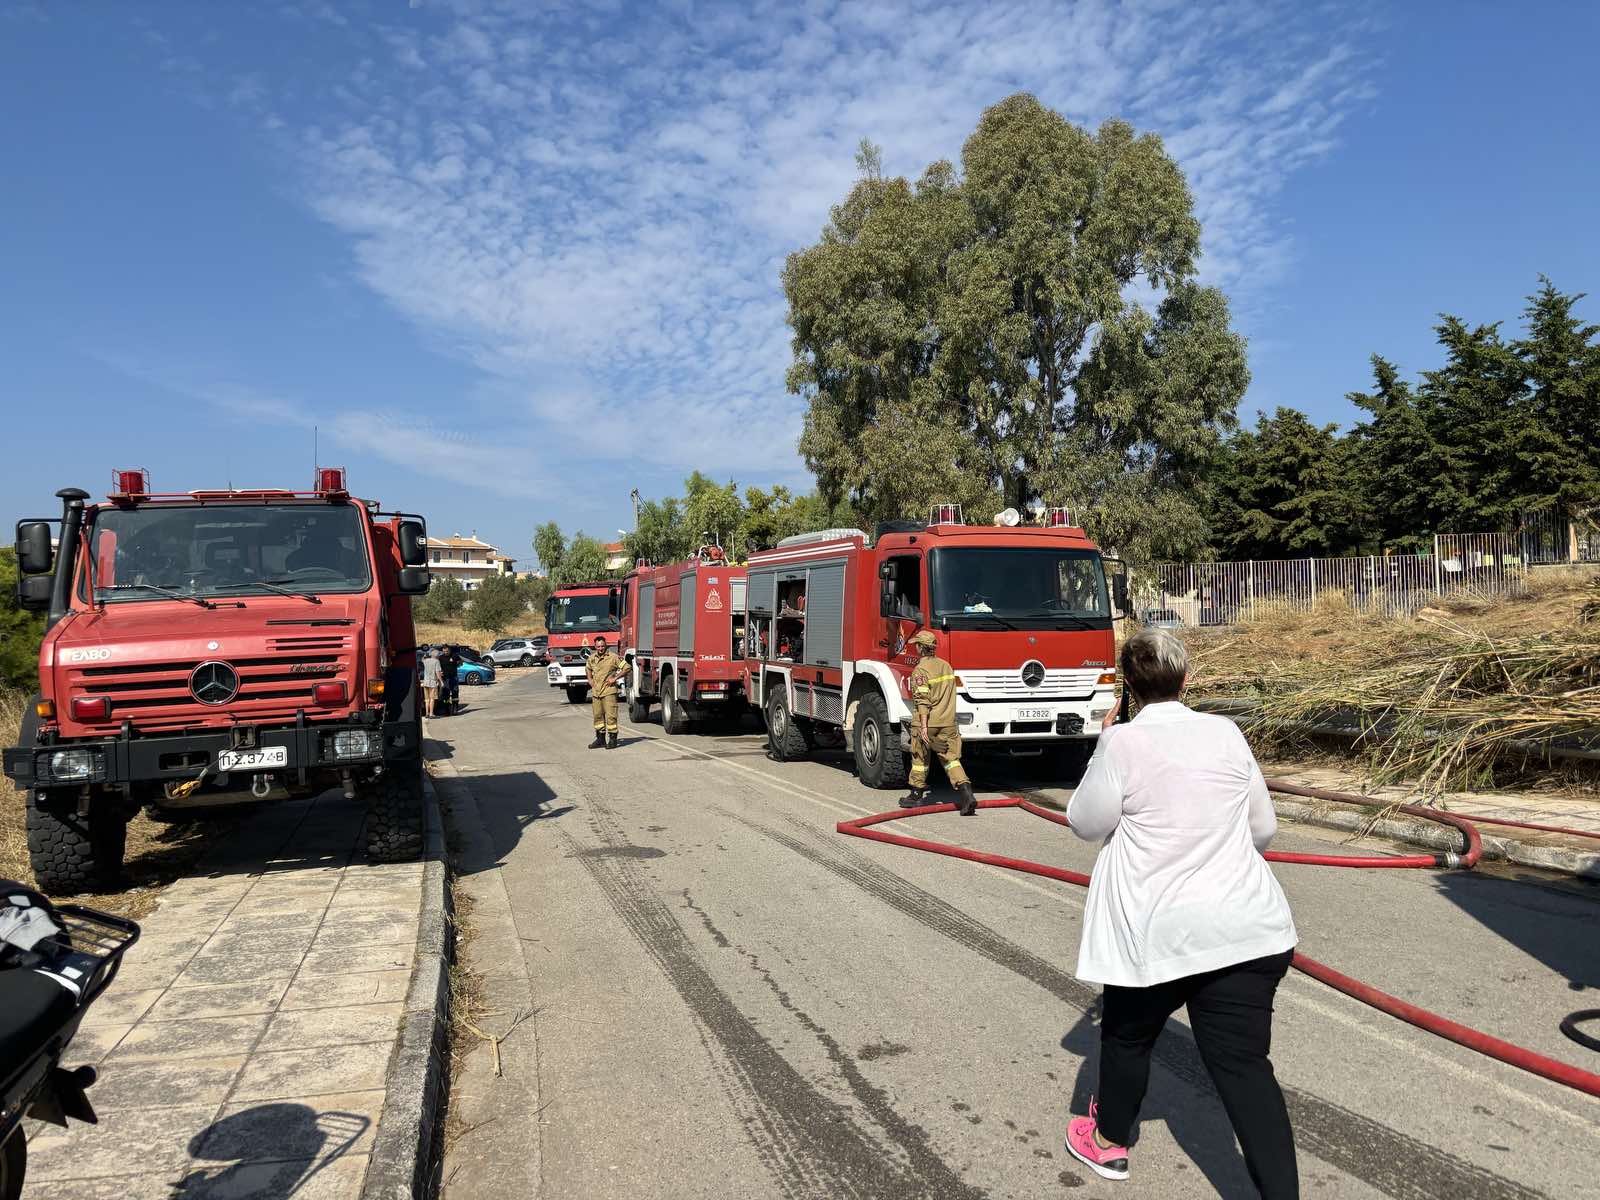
(902, 602)
(688, 604)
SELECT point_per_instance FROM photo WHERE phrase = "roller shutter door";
(763, 591)
(647, 618)
(688, 606)
(825, 615)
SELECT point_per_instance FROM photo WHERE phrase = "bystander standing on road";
(604, 669)
(431, 677)
(1182, 911)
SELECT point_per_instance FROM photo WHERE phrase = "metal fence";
(1554, 534)
(1223, 593)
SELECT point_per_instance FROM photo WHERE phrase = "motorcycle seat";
(32, 1008)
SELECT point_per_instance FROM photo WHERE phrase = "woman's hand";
(1110, 719)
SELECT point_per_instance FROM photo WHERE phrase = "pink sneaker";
(1107, 1162)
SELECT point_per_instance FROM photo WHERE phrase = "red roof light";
(330, 481)
(135, 482)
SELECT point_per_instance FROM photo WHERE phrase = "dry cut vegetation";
(1459, 696)
(456, 634)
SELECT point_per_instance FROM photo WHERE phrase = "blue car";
(473, 674)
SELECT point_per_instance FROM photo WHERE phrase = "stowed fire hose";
(1472, 849)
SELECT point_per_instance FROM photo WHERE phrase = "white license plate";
(1032, 714)
(250, 760)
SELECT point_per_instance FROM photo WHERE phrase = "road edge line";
(402, 1160)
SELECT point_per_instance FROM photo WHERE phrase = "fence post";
(1252, 589)
(1438, 568)
(1312, 563)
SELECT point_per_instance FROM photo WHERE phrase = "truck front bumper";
(994, 721)
(363, 740)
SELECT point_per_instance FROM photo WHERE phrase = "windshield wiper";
(979, 616)
(156, 587)
(1080, 622)
(273, 584)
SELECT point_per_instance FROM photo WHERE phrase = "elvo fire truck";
(1023, 614)
(573, 616)
(684, 632)
(213, 647)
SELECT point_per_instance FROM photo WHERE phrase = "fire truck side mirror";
(1119, 586)
(415, 581)
(413, 545)
(33, 592)
(34, 555)
(889, 570)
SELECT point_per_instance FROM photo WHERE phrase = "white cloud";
(605, 197)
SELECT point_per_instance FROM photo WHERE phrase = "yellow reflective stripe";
(940, 678)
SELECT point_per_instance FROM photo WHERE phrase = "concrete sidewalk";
(245, 1049)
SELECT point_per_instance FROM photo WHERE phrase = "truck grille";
(275, 684)
(1058, 684)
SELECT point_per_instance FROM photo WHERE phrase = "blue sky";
(513, 260)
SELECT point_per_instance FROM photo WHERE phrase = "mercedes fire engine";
(1023, 614)
(573, 616)
(684, 629)
(214, 647)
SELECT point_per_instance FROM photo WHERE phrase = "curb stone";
(402, 1159)
(1582, 863)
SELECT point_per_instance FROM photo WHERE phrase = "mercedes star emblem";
(1033, 672)
(214, 683)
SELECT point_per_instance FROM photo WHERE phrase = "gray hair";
(1154, 664)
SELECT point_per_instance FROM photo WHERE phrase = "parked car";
(474, 674)
(520, 652)
(1160, 618)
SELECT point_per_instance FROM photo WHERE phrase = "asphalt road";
(734, 1000)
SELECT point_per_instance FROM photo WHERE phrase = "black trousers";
(1230, 1011)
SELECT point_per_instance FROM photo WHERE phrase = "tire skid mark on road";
(810, 1143)
(940, 1178)
(1389, 1160)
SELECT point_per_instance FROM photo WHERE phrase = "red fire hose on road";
(1483, 1043)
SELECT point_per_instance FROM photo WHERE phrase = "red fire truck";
(573, 616)
(686, 645)
(1022, 614)
(214, 647)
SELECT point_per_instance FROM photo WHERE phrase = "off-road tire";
(638, 710)
(525, 661)
(880, 760)
(786, 740)
(395, 813)
(70, 853)
(577, 695)
(13, 1164)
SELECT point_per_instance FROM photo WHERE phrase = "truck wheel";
(673, 719)
(70, 853)
(13, 1163)
(395, 813)
(880, 762)
(786, 740)
(638, 710)
(525, 661)
(577, 695)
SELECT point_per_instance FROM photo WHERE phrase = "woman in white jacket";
(1182, 911)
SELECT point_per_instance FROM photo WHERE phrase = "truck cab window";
(906, 601)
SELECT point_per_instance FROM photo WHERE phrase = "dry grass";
(158, 852)
(1442, 696)
(455, 633)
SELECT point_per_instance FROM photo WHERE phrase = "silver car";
(521, 652)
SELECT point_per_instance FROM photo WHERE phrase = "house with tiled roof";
(467, 560)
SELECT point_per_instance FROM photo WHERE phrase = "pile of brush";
(1440, 699)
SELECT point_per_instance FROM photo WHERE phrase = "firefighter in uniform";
(933, 691)
(604, 669)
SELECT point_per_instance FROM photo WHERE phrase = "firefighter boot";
(916, 798)
(611, 741)
(969, 802)
(599, 742)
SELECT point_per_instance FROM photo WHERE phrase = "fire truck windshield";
(580, 614)
(1023, 587)
(154, 551)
